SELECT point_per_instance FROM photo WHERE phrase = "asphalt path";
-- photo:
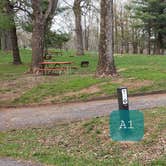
(41, 116)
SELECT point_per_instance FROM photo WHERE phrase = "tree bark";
(13, 34)
(78, 27)
(149, 41)
(106, 66)
(86, 35)
(116, 28)
(41, 18)
(87, 39)
(159, 43)
(127, 47)
(6, 44)
(8, 41)
(135, 47)
(37, 44)
(3, 41)
(15, 49)
(122, 30)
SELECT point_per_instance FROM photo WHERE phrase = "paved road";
(15, 118)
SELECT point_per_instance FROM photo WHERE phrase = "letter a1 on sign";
(126, 125)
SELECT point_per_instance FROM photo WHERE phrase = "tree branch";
(51, 9)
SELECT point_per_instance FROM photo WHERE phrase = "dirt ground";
(13, 89)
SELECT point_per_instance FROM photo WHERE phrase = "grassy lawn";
(8, 71)
(88, 143)
(139, 73)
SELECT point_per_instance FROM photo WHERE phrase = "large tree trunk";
(13, 34)
(41, 19)
(106, 65)
(78, 27)
(37, 44)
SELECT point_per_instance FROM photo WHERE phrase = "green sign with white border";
(126, 125)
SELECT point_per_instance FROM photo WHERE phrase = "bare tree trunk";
(8, 41)
(15, 49)
(3, 41)
(13, 35)
(116, 28)
(159, 43)
(127, 33)
(122, 30)
(141, 46)
(78, 27)
(135, 47)
(6, 44)
(87, 39)
(37, 44)
(134, 41)
(86, 35)
(127, 47)
(149, 41)
(41, 17)
(106, 65)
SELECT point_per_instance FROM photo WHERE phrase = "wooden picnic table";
(49, 67)
(56, 63)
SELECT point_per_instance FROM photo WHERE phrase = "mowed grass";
(8, 71)
(56, 88)
(140, 73)
(88, 143)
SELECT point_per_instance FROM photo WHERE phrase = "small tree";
(57, 40)
(106, 65)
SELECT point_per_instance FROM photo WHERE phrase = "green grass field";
(139, 73)
(88, 143)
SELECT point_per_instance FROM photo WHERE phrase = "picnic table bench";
(50, 67)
